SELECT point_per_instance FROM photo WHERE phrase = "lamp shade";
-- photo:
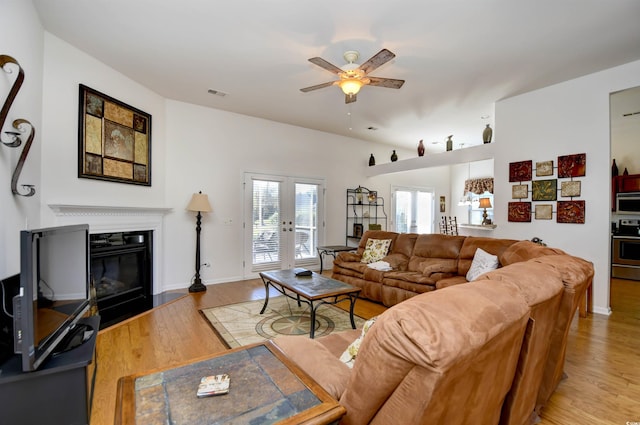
(485, 203)
(199, 202)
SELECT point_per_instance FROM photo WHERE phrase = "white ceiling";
(458, 57)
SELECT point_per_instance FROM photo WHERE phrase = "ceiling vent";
(217, 92)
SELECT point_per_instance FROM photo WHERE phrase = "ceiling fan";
(354, 76)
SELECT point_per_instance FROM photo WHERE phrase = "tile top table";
(333, 250)
(265, 388)
(314, 290)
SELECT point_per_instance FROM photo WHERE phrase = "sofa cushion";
(482, 262)
(438, 265)
(397, 261)
(375, 250)
(375, 234)
(490, 245)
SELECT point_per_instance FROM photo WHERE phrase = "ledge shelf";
(486, 227)
(470, 154)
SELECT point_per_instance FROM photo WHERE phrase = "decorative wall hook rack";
(18, 124)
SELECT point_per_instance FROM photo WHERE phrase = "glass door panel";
(281, 222)
(413, 210)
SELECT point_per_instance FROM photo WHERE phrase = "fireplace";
(122, 274)
(110, 222)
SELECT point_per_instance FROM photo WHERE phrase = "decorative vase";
(420, 148)
(372, 161)
(486, 134)
(614, 169)
(449, 143)
(394, 156)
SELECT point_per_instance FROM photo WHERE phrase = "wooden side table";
(333, 250)
(265, 387)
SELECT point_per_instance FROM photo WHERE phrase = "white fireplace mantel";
(105, 219)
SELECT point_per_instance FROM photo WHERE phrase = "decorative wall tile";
(520, 212)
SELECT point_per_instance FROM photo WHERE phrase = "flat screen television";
(54, 290)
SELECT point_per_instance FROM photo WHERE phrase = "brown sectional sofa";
(489, 351)
(421, 263)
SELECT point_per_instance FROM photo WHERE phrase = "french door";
(283, 222)
(412, 209)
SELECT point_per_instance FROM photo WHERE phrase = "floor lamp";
(199, 203)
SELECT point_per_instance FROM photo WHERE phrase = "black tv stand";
(59, 392)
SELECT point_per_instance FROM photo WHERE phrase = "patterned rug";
(242, 324)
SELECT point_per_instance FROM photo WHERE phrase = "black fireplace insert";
(122, 274)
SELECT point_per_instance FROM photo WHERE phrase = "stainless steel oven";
(625, 261)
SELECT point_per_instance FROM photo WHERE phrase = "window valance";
(479, 186)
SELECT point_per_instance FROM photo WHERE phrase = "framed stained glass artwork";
(570, 212)
(544, 168)
(520, 191)
(519, 212)
(570, 188)
(114, 140)
(572, 165)
(520, 171)
(544, 190)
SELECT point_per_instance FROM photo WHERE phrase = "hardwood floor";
(603, 384)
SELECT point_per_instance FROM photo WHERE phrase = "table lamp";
(484, 203)
(199, 203)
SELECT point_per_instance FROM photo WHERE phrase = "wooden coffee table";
(314, 290)
(265, 387)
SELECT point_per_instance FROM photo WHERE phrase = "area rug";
(241, 324)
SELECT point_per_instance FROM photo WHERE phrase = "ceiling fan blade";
(380, 58)
(389, 83)
(317, 86)
(350, 98)
(326, 65)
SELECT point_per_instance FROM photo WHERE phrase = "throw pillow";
(482, 262)
(349, 355)
(375, 250)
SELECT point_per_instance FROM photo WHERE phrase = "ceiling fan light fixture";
(350, 85)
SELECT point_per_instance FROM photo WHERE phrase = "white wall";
(22, 39)
(567, 118)
(65, 67)
(210, 150)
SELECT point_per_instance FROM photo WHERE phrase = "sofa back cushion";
(525, 250)
(400, 252)
(434, 246)
(375, 234)
(430, 355)
(471, 243)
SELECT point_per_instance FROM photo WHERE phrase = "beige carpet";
(241, 324)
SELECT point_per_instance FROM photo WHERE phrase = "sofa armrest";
(317, 361)
(347, 257)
